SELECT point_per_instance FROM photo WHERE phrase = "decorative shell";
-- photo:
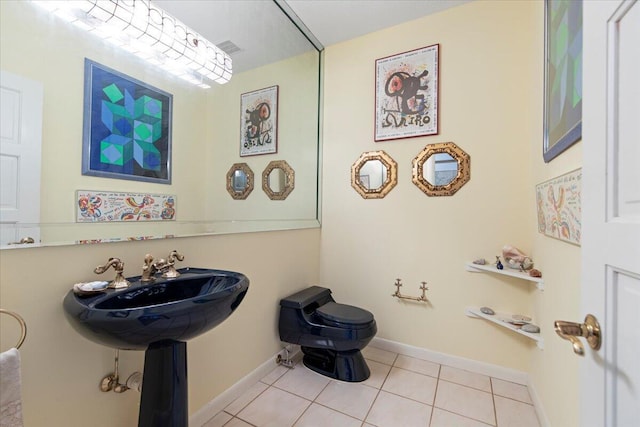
(516, 259)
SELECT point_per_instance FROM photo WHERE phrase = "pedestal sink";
(159, 317)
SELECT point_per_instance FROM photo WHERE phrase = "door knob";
(570, 331)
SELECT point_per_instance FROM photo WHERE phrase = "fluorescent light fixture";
(147, 31)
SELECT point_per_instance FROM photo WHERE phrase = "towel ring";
(23, 325)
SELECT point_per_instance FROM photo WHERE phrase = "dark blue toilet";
(331, 335)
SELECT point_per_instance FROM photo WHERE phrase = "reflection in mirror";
(240, 181)
(441, 169)
(205, 122)
(278, 180)
(374, 174)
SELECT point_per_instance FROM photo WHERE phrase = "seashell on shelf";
(535, 273)
(514, 258)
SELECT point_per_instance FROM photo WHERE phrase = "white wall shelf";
(491, 268)
(500, 319)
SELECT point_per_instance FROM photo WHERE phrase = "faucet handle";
(119, 281)
(175, 255)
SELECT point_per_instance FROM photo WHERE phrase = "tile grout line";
(493, 399)
(435, 393)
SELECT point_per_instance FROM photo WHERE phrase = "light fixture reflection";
(150, 33)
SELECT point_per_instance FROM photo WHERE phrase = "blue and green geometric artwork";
(127, 127)
(563, 91)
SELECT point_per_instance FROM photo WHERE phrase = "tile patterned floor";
(401, 392)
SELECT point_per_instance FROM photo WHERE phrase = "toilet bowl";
(331, 335)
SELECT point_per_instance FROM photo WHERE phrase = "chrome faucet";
(119, 282)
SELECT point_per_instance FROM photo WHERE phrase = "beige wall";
(491, 87)
(61, 370)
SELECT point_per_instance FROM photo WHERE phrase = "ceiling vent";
(229, 47)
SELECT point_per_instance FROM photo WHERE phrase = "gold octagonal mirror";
(441, 169)
(374, 174)
(240, 181)
(278, 180)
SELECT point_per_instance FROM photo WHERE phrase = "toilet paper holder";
(421, 298)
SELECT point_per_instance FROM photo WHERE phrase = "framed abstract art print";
(562, 76)
(127, 127)
(407, 94)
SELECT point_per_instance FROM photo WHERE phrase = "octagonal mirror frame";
(388, 183)
(289, 180)
(462, 177)
(248, 188)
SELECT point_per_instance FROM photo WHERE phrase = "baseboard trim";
(537, 404)
(209, 410)
(495, 371)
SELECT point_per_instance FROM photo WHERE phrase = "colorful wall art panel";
(105, 206)
(127, 127)
(259, 122)
(559, 207)
(407, 94)
(563, 76)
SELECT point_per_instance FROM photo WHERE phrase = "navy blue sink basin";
(168, 309)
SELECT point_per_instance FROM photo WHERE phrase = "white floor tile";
(219, 420)
(274, 407)
(273, 376)
(512, 413)
(236, 422)
(441, 418)
(379, 372)
(411, 385)
(470, 379)
(417, 365)
(246, 398)
(465, 401)
(511, 390)
(320, 416)
(378, 355)
(349, 398)
(303, 382)
(390, 410)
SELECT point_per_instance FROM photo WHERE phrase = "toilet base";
(344, 365)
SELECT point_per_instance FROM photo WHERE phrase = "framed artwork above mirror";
(278, 180)
(240, 181)
(441, 169)
(374, 174)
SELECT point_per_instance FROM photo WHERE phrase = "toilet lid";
(343, 313)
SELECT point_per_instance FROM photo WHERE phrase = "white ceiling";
(265, 35)
(334, 21)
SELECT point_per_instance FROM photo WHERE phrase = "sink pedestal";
(164, 400)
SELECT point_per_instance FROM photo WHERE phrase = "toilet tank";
(307, 297)
(294, 325)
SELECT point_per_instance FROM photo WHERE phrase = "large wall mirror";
(267, 50)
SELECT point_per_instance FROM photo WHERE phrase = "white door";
(20, 157)
(610, 377)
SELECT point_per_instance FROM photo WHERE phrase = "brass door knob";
(590, 330)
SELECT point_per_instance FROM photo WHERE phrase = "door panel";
(21, 102)
(610, 377)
